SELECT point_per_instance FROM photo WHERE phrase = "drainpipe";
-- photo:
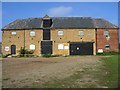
(24, 38)
(96, 38)
(24, 41)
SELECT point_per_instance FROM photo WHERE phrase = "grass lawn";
(105, 76)
(111, 68)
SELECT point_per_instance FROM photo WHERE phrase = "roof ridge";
(71, 17)
(50, 17)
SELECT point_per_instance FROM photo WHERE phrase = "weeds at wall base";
(108, 53)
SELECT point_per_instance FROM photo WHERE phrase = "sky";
(19, 10)
(60, 0)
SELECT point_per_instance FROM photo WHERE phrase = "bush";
(48, 55)
(108, 53)
(5, 56)
(24, 52)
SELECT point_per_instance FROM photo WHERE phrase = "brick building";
(60, 36)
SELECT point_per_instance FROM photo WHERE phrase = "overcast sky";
(20, 10)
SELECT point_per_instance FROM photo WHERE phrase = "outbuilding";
(60, 36)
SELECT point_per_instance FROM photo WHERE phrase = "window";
(107, 46)
(32, 33)
(6, 48)
(106, 33)
(32, 47)
(60, 33)
(81, 33)
(13, 33)
(60, 46)
(100, 50)
(66, 47)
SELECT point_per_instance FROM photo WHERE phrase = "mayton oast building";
(60, 36)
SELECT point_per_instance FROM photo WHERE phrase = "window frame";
(60, 34)
(82, 31)
(107, 47)
(32, 33)
(13, 33)
(32, 47)
(7, 47)
(59, 48)
(108, 34)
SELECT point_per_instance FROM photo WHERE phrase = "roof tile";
(61, 22)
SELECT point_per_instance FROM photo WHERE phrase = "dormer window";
(13, 33)
(47, 21)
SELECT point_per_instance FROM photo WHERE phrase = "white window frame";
(60, 46)
(7, 48)
(32, 33)
(106, 33)
(107, 45)
(60, 33)
(66, 47)
(13, 33)
(32, 47)
(100, 50)
(81, 33)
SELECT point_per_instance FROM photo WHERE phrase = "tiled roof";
(73, 22)
(61, 22)
(24, 24)
(102, 23)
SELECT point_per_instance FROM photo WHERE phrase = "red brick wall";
(101, 40)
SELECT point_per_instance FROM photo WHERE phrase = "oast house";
(60, 36)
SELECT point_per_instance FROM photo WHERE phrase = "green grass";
(48, 56)
(105, 75)
(109, 77)
(108, 53)
(63, 83)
